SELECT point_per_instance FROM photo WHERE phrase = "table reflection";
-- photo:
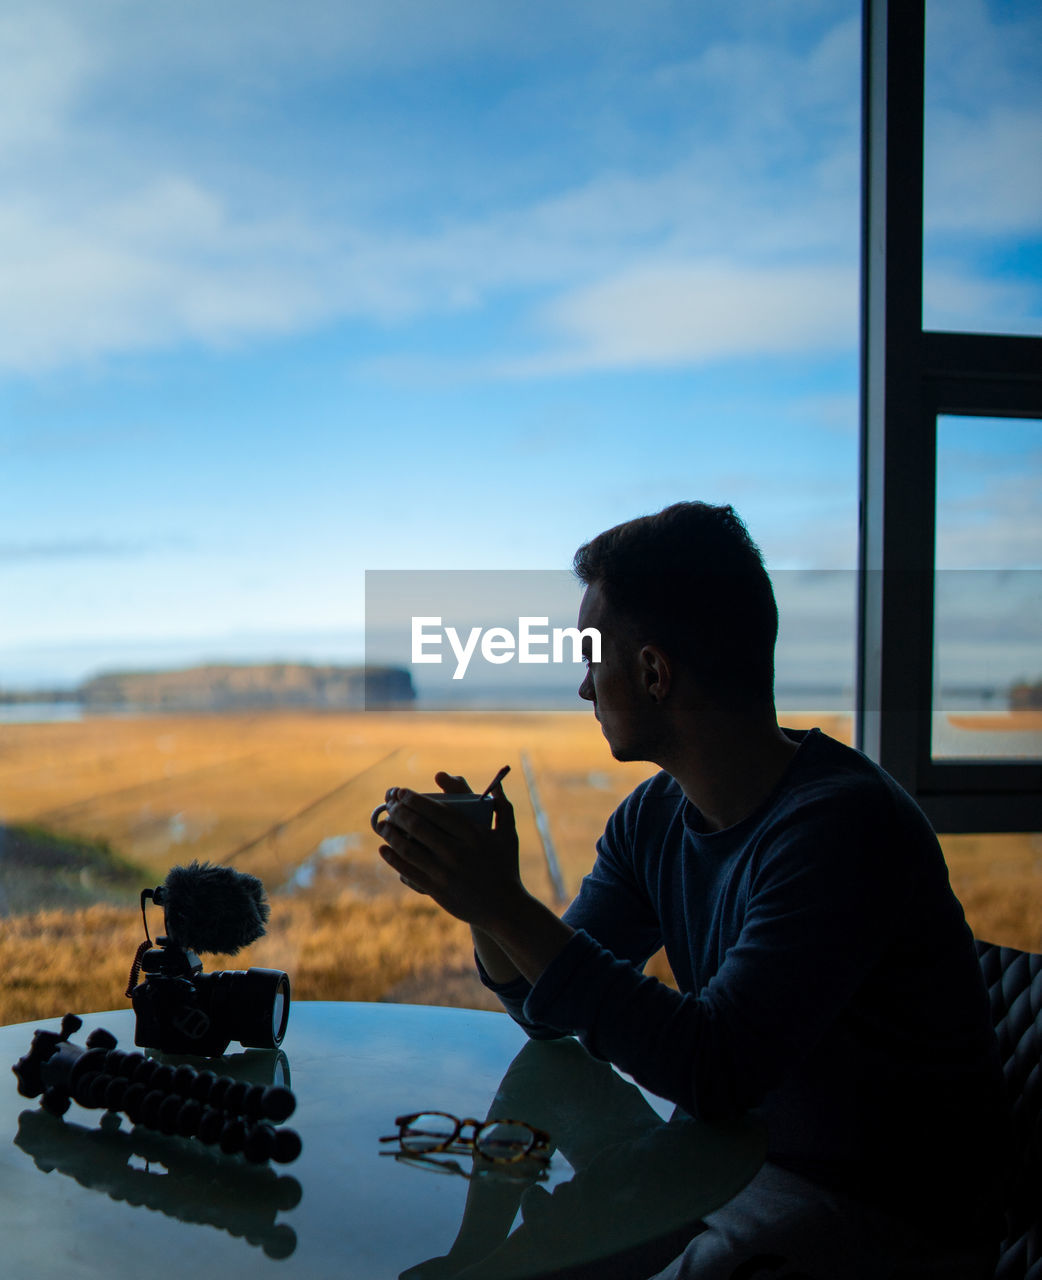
(630, 1170)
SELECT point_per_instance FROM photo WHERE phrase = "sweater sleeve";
(612, 906)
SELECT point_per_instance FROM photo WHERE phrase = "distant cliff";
(230, 687)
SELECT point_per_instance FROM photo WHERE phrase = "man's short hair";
(692, 580)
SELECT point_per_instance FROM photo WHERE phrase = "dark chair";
(1014, 981)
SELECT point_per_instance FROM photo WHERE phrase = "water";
(39, 712)
(330, 847)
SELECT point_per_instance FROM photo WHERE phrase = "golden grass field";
(287, 796)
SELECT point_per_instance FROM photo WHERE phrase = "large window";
(293, 293)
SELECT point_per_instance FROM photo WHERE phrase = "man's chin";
(628, 752)
(619, 750)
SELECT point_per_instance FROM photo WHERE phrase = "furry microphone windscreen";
(213, 909)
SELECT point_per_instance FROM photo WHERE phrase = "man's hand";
(474, 875)
(469, 872)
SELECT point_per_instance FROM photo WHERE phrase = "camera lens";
(280, 1011)
(254, 1006)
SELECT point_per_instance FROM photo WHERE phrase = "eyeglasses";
(503, 1141)
(527, 1170)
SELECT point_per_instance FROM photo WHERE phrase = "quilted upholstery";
(1014, 981)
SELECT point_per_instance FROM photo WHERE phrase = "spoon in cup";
(495, 781)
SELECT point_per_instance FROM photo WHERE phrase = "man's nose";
(586, 688)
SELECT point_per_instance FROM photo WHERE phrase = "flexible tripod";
(217, 1110)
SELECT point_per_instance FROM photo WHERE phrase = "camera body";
(181, 1009)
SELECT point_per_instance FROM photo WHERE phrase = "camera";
(181, 1009)
(178, 1007)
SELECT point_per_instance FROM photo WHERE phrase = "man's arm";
(493, 959)
(523, 943)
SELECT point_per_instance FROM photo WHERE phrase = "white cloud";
(979, 53)
(983, 173)
(736, 237)
(238, 38)
(72, 549)
(119, 235)
(123, 277)
(999, 525)
(694, 312)
(734, 70)
(738, 241)
(44, 62)
(171, 261)
(959, 300)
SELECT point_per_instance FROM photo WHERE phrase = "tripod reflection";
(174, 1176)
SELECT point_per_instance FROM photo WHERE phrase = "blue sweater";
(827, 977)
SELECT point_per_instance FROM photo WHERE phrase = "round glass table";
(93, 1196)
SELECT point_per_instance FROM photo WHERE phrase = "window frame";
(909, 378)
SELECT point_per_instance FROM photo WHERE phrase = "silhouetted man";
(827, 977)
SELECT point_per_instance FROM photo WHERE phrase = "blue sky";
(292, 292)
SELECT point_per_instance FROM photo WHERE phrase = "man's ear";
(656, 672)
